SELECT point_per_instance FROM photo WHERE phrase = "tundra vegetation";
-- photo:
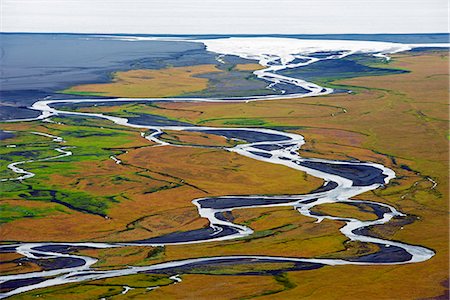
(399, 120)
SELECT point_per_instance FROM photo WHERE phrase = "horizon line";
(217, 34)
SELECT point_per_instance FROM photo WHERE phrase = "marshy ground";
(399, 120)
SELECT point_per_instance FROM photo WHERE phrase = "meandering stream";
(343, 181)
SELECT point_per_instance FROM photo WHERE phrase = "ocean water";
(42, 64)
(35, 66)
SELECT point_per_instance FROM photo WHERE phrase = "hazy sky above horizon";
(224, 16)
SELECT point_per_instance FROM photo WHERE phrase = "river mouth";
(344, 180)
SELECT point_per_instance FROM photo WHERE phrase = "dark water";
(361, 175)
(5, 135)
(202, 234)
(386, 254)
(35, 66)
(352, 66)
(17, 283)
(220, 264)
(232, 202)
(153, 120)
(38, 65)
(246, 135)
(60, 248)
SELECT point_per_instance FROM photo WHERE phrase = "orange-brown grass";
(122, 256)
(10, 265)
(248, 67)
(397, 121)
(346, 143)
(122, 223)
(217, 287)
(281, 231)
(277, 230)
(109, 178)
(138, 195)
(285, 112)
(192, 287)
(110, 288)
(30, 204)
(353, 249)
(151, 83)
(7, 268)
(202, 173)
(399, 117)
(218, 171)
(25, 127)
(57, 227)
(145, 210)
(399, 129)
(150, 108)
(411, 281)
(4, 257)
(170, 209)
